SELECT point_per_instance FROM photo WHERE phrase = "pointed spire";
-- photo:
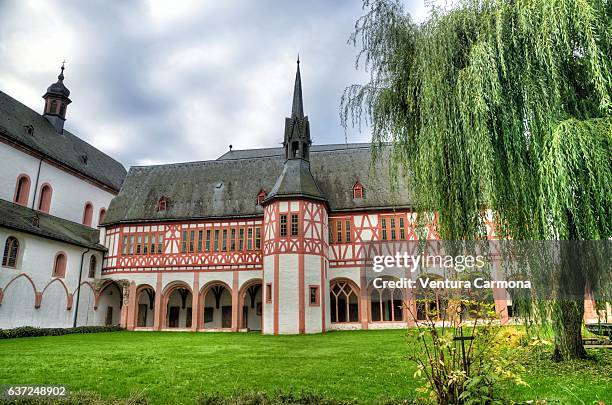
(61, 75)
(297, 109)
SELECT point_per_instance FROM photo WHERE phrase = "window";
(224, 241)
(208, 232)
(340, 230)
(44, 203)
(393, 227)
(269, 293)
(142, 243)
(87, 214)
(383, 225)
(102, 215)
(92, 266)
(11, 251)
(344, 302)
(53, 109)
(283, 225)
(250, 239)
(216, 242)
(258, 238)
(59, 266)
(261, 197)
(295, 220)
(241, 239)
(200, 234)
(22, 190)
(314, 295)
(357, 189)
(162, 204)
(233, 239)
(184, 243)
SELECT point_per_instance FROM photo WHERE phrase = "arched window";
(386, 305)
(162, 204)
(344, 299)
(44, 203)
(102, 214)
(11, 251)
(59, 266)
(358, 189)
(53, 108)
(92, 266)
(87, 214)
(22, 190)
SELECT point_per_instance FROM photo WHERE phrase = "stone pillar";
(235, 302)
(158, 321)
(195, 303)
(125, 292)
(363, 298)
(131, 306)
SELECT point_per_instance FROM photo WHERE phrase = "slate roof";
(228, 187)
(15, 121)
(17, 217)
(296, 181)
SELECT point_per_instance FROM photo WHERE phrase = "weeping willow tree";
(500, 104)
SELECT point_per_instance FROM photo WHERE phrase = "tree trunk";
(567, 324)
(568, 310)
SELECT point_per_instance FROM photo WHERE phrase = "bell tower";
(56, 102)
(295, 257)
(297, 129)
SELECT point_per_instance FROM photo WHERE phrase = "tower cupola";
(56, 102)
(297, 129)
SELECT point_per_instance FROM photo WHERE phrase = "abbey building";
(271, 240)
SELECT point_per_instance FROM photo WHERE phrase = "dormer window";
(162, 204)
(261, 196)
(357, 189)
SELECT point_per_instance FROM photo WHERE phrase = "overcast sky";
(172, 81)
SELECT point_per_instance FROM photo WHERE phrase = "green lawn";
(177, 367)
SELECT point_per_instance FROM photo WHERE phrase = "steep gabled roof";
(27, 128)
(229, 187)
(14, 216)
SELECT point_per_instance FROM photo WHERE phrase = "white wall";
(36, 258)
(70, 193)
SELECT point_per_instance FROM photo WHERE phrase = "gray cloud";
(159, 82)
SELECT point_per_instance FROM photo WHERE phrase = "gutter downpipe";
(36, 185)
(78, 291)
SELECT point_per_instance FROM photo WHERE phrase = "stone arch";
(212, 308)
(68, 295)
(345, 304)
(18, 308)
(112, 304)
(250, 311)
(429, 305)
(144, 314)
(386, 304)
(37, 295)
(181, 317)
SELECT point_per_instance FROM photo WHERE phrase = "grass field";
(166, 367)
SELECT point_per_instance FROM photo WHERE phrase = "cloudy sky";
(170, 81)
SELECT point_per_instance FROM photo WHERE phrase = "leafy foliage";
(500, 104)
(30, 331)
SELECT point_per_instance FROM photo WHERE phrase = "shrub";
(30, 331)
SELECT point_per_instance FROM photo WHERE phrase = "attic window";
(29, 129)
(261, 196)
(84, 159)
(162, 204)
(357, 189)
